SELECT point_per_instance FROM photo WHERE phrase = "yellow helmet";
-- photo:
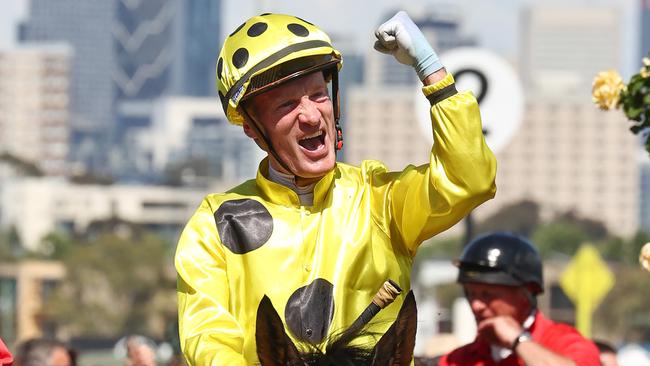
(268, 50)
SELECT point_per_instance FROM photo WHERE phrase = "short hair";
(604, 346)
(37, 352)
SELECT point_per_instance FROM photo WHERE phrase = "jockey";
(502, 275)
(316, 236)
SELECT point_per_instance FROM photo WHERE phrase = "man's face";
(488, 301)
(298, 118)
(60, 357)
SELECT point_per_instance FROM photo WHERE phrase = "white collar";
(306, 193)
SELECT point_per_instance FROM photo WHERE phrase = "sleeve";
(426, 200)
(567, 342)
(209, 334)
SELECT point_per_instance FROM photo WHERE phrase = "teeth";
(315, 134)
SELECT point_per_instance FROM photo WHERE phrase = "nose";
(308, 112)
(476, 304)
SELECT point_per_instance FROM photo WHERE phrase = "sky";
(494, 23)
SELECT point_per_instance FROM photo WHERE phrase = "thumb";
(386, 36)
(381, 48)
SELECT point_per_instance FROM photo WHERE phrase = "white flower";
(644, 72)
(644, 257)
(646, 61)
(606, 89)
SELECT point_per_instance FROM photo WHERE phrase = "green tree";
(520, 217)
(10, 246)
(115, 285)
(440, 248)
(558, 238)
(23, 166)
(593, 229)
(625, 310)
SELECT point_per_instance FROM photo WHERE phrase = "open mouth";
(313, 142)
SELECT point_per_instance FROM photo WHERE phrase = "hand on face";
(500, 330)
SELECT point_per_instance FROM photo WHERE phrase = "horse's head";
(395, 347)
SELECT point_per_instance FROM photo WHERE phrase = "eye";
(286, 105)
(320, 96)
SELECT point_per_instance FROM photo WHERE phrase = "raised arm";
(426, 200)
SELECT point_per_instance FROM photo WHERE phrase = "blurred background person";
(44, 352)
(607, 353)
(139, 352)
(501, 275)
(6, 359)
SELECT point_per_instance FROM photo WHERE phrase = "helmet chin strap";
(267, 141)
(338, 141)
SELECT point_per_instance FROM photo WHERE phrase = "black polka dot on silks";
(265, 14)
(310, 23)
(240, 58)
(298, 29)
(243, 225)
(310, 310)
(219, 67)
(257, 29)
(237, 30)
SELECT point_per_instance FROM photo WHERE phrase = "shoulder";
(464, 355)
(566, 340)
(246, 190)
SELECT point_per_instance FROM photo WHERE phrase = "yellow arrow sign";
(586, 281)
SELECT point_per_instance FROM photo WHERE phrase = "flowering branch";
(610, 92)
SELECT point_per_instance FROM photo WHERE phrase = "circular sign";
(497, 89)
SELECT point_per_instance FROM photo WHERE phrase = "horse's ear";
(274, 347)
(395, 347)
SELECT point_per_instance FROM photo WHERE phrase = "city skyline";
(496, 23)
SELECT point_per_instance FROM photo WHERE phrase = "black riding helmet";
(501, 258)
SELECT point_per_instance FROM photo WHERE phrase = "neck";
(305, 191)
(290, 177)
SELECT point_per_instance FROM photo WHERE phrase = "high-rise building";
(35, 105)
(194, 133)
(644, 199)
(566, 155)
(126, 54)
(570, 155)
(165, 48)
(85, 25)
(645, 27)
(564, 47)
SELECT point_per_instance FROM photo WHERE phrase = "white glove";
(400, 37)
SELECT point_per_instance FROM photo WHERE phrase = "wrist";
(427, 65)
(523, 337)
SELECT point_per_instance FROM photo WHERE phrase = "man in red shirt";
(501, 275)
(5, 357)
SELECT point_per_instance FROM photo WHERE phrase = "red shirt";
(5, 357)
(559, 338)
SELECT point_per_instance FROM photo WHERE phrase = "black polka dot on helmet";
(240, 57)
(220, 67)
(257, 29)
(298, 29)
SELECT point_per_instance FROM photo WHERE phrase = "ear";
(274, 347)
(252, 133)
(248, 130)
(396, 345)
